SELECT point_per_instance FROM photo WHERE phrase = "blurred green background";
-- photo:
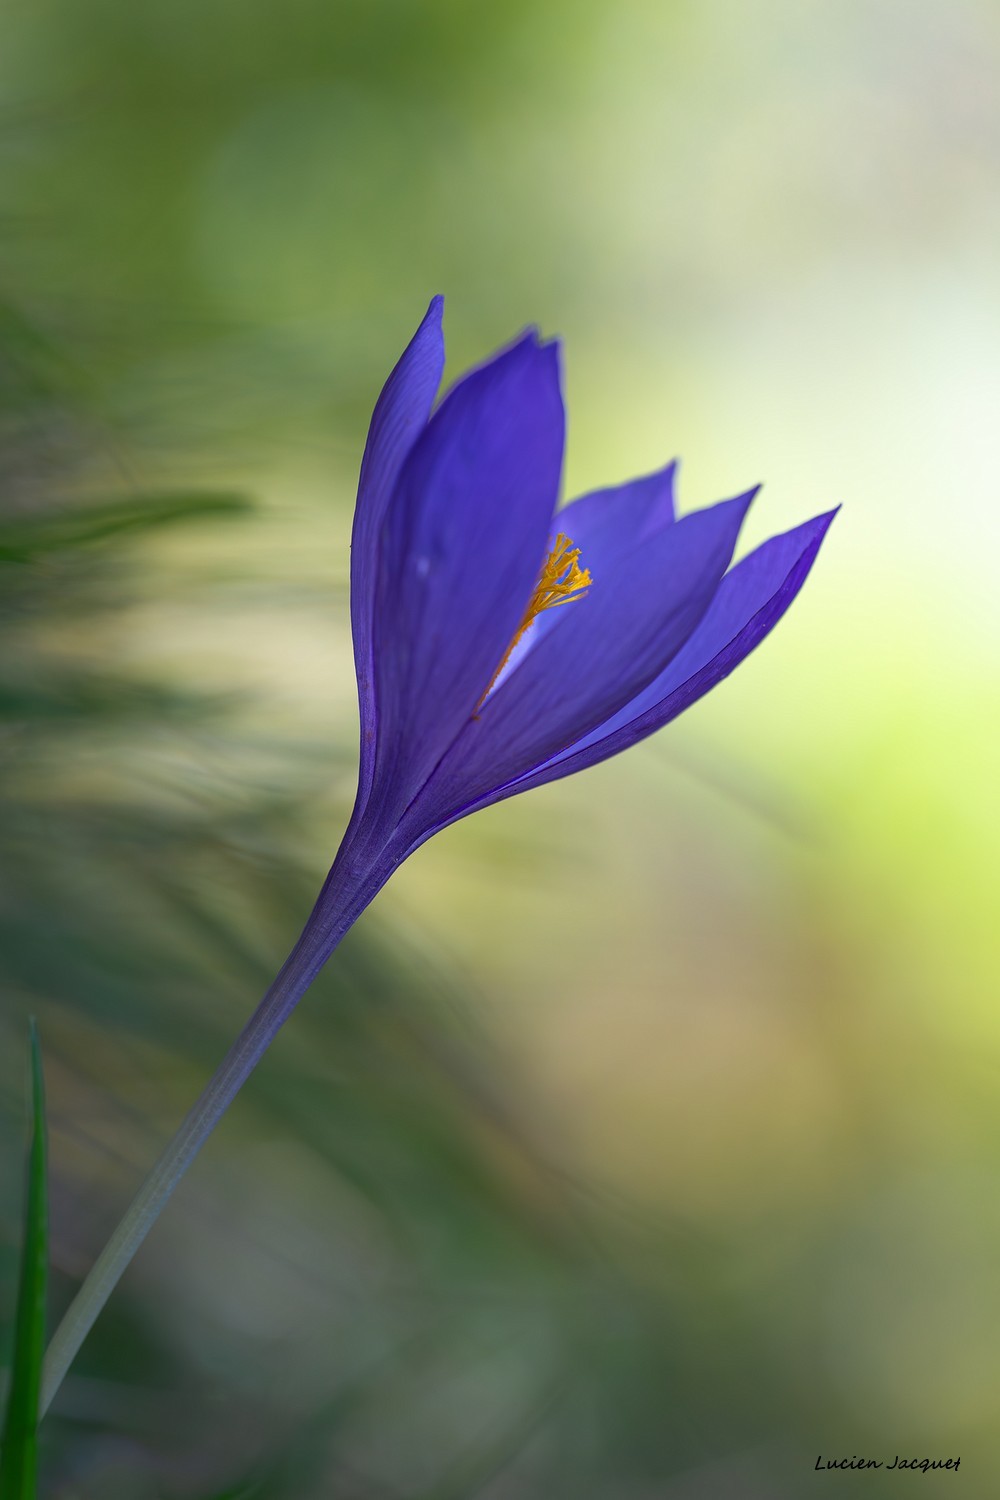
(643, 1140)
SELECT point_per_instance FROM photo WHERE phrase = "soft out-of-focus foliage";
(642, 1140)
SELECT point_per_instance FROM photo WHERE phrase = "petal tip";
(552, 349)
(535, 354)
(667, 475)
(532, 340)
(741, 503)
(820, 525)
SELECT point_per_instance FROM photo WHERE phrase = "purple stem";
(356, 877)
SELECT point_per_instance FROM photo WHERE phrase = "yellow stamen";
(560, 582)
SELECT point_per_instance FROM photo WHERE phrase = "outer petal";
(750, 601)
(463, 539)
(400, 414)
(608, 647)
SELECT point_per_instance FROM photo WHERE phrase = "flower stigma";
(560, 581)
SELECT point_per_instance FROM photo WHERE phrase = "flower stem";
(344, 897)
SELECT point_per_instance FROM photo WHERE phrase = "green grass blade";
(24, 540)
(19, 1453)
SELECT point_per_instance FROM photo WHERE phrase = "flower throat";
(560, 581)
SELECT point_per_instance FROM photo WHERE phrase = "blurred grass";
(24, 540)
(643, 1138)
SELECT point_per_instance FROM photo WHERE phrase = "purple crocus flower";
(500, 643)
(472, 686)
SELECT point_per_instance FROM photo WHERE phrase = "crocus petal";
(604, 524)
(609, 646)
(400, 415)
(750, 601)
(463, 540)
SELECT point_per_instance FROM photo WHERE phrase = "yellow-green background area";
(644, 1139)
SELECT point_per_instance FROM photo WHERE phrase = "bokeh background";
(643, 1140)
